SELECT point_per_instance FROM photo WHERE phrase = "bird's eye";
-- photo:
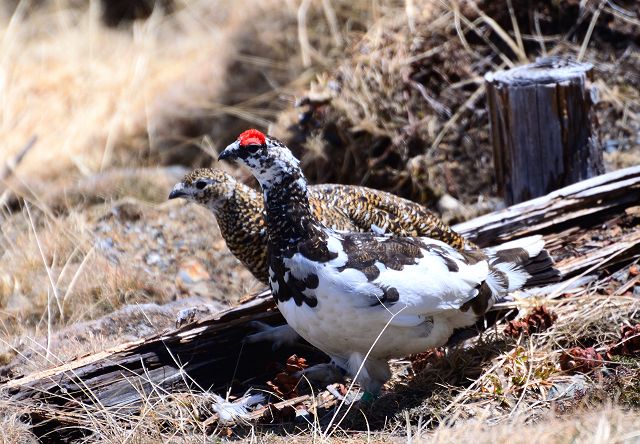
(252, 148)
(201, 184)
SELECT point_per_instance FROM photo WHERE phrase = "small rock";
(568, 389)
(105, 244)
(103, 227)
(186, 316)
(193, 314)
(452, 210)
(191, 271)
(153, 258)
(449, 203)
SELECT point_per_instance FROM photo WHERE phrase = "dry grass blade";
(11, 164)
(473, 26)
(539, 37)
(592, 25)
(329, 430)
(459, 32)
(622, 13)
(517, 50)
(54, 289)
(465, 107)
(516, 27)
(307, 51)
(410, 10)
(332, 19)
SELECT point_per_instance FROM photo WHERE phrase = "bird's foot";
(353, 396)
(322, 374)
(278, 336)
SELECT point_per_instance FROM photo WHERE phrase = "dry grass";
(14, 431)
(405, 110)
(489, 388)
(596, 426)
(604, 425)
(600, 426)
(91, 85)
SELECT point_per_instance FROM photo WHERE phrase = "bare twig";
(592, 25)
(522, 57)
(11, 164)
(516, 28)
(332, 19)
(54, 288)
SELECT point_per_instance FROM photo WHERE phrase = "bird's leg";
(323, 374)
(370, 375)
(278, 336)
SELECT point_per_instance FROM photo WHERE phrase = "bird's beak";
(230, 152)
(177, 191)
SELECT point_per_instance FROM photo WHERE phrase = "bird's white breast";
(344, 320)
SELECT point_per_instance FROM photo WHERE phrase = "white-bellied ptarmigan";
(365, 298)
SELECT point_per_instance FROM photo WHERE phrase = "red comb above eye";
(252, 137)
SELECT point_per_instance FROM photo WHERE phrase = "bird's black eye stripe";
(201, 184)
(252, 148)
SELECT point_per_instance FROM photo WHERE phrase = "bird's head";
(267, 158)
(205, 186)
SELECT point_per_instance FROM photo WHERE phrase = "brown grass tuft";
(404, 111)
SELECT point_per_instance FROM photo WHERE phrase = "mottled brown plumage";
(240, 213)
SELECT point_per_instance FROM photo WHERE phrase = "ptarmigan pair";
(239, 211)
(364, 298)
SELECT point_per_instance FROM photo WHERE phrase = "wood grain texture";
(543, 130)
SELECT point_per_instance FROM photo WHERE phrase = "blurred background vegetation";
(389, 94)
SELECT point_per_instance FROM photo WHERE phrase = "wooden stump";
(543, 128)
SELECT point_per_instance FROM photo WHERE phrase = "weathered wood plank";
(575, 204)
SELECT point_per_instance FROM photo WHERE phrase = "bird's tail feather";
(523, 263)
(541, 270)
